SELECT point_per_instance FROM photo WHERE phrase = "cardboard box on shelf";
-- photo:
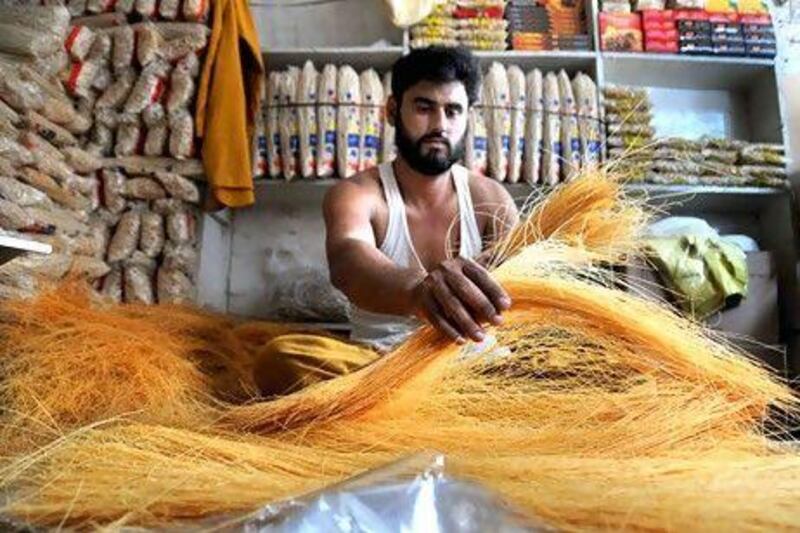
(621, 32)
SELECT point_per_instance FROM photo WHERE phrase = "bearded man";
(404, 240)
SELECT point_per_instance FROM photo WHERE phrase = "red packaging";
(657, 15)
(690, 14)
(667, 25)
(755, 19)
(661, 47)
(731, 18)
(621, 32)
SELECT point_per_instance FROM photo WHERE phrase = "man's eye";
(452, 112)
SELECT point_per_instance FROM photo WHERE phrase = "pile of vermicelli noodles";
(596, 409)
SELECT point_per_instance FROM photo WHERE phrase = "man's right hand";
(458, 296)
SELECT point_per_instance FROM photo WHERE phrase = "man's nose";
(438, 120)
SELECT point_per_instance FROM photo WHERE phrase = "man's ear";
(391, 109)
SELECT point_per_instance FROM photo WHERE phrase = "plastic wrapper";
(84, 106)
(76, 8)
(80, 77)
(111, 286)
(191, 43)
(585, 91)
(625, 107)
(476, 150)
(148, 44)
(82, 161)
(99, 6)
(48, 130)
(8, 114)
(61, 112)
(143, 189)
(642, 130)
(102, 79)
(763, 171)
(149, 87)
(151, 240)
(498, 120)
(14, 152)
(762, 155)
(169, 206)
(51, 267)
(22, 194)
(181, 137)
(288, 124)
(113, 183)
(124, 6)
(155, 142)
(118, 92)
(126, 237)
(39, 146)
(145, 8)
(102, 140)
(89, 267)
(570, 137)
(14, 217)
(53, 190)
(181, 89)
(326, 123)
(728, 157)
(105, 116)
(100, 52)
(168, 9)
(123, 49)
(371, 118)
(79, 42)
(138, 285)
(551, 152)
(128, 135)
(181, 227)
(6, 168)
(191, 64)
(416, 494)
(174, 287)
(271, 125)
(677, 167)
(19, 40)
(258, 145)
(21, 95)
(181, 257)
(531, 165)
(388, 148)
(179, 187)
(195, 10)
(348, 123)
(306, 98)
(517, 98)
(53, 218)
(93, 244)
(154, 115)
(55, 168)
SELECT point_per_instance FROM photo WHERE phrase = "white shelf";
(680, 71)
(11, 247)
(360, 57)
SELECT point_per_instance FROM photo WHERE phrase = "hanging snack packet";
(570, 139)
(272, 133)
(532, 162)
(348, 121)
(498, 121)
(326, 122)
(551, 151)
(516, 87)
(307, 119)
(388, 148)
(371, 118)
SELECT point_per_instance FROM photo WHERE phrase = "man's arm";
(455, 297)
(357, 267)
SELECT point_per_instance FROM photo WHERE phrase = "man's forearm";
(371, 281)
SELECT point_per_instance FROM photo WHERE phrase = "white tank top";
(382, 331)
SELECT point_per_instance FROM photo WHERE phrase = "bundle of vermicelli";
(595, 409)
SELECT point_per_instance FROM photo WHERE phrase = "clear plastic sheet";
(411, 495)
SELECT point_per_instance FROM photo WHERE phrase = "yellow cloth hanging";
(228, 101)
(294, 361)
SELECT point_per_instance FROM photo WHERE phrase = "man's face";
(431, 124)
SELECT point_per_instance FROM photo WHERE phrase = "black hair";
(438, 64)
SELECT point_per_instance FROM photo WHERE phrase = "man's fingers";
(437, 319)
(454, 310)
(493, 290)
(474, 298)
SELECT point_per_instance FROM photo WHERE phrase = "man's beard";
(435, 162)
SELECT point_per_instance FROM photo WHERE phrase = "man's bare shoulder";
(360, 187)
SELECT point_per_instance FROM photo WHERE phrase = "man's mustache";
(437, 138)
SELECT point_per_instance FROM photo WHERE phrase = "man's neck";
(420, 189)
